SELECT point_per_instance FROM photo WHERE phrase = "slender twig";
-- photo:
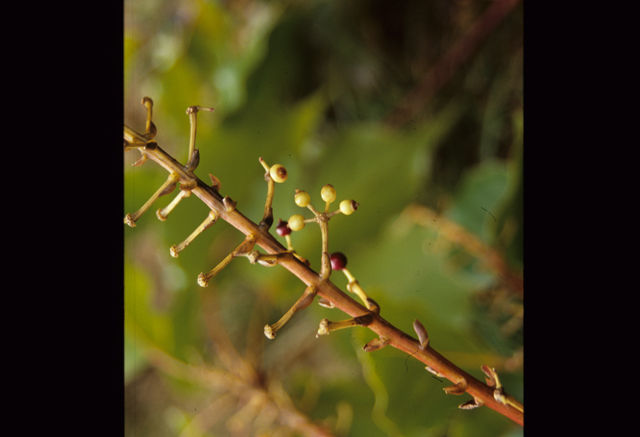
(445, 68)
(452, 231)
(288, 414)
(325, 288)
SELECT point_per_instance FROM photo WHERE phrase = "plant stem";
(325, 288)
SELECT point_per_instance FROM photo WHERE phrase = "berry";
(296, 222)
(302, 198)
(347, 207)
(278, 173)
(328, 193)
(283, 228)
(338, 261)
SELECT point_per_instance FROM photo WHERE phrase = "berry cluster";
(335, 261)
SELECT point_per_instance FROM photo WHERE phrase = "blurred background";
(414, 109)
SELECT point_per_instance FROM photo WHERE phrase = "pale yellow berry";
(296, 222)
(347, 207)
(302, 199)
(278, 173)
(328, 193)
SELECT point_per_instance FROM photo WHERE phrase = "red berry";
(283, 228)
(338, 261)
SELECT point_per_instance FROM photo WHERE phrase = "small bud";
(338, 261)
(215, 182)
(296, 222)
(323, 328)
(203, 281)
(278, 173)
(268, 332)
(328, 193)
(471, 404)
(434, 372)
(283, 228)
(325, 303)
(302, 198)
(229, 204)
(423, 336)
(498, 395)
(491, 376)
(493, 380)
(347, 207)
(375, 344)
(456, 389)
(128, 219)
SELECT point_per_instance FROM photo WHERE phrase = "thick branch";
(326, 289)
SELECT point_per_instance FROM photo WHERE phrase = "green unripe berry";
(328, 193)
(296, 222)
(302, 199)
(278, 173)
(347, 207)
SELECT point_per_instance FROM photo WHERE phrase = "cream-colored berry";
(328, 193)
(278, 173)
(347, 207)
(296, 222)
(302, 199)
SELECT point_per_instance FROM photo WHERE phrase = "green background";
(309, 85)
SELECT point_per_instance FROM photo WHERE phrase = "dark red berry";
(283, 228)
(338, 261)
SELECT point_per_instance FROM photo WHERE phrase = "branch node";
(499, 395)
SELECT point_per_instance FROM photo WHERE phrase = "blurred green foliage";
(308, 84)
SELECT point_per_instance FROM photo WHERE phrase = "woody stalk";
(366, 313)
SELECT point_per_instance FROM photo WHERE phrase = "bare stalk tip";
(269, 333)
(202, 280)
(129, 220)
